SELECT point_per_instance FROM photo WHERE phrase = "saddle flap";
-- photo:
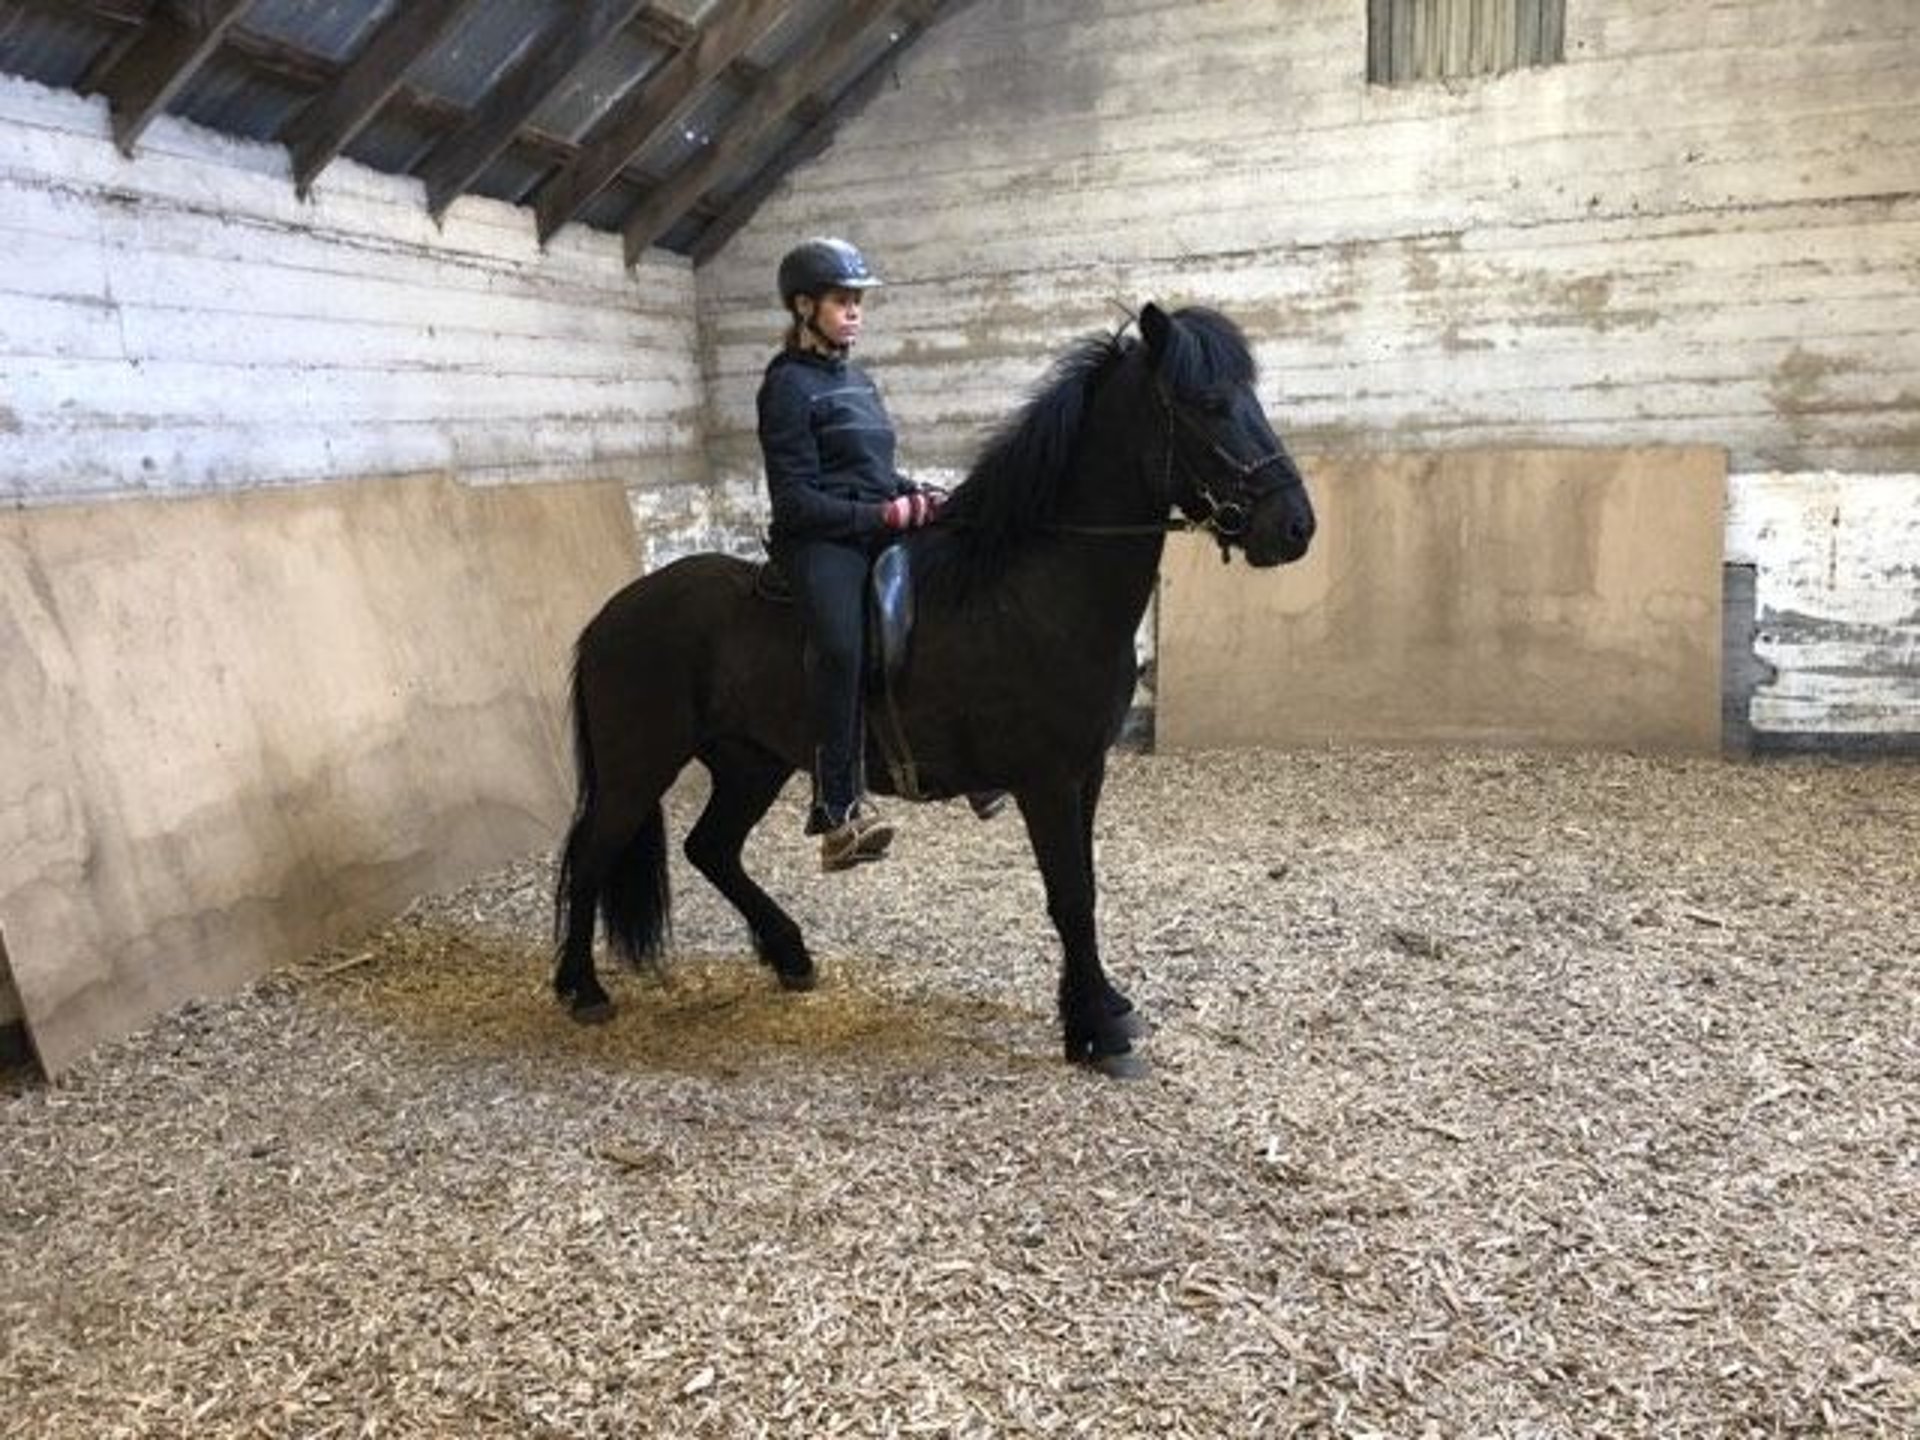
(890, 610)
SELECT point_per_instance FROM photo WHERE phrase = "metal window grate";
(1410, 40)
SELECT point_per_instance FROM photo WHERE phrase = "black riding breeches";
(829, 580)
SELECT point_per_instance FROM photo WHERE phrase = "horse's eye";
(1217, 406)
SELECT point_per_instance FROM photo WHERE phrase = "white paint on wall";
(183, 322)
(1836, 599)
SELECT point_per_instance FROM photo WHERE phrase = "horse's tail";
(635, 902)
(626, 873)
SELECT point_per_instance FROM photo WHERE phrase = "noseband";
(1229, 519)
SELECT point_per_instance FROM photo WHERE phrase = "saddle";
(889, 612)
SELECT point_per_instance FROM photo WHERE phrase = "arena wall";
(304, 503)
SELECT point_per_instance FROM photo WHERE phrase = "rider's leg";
(829, 582)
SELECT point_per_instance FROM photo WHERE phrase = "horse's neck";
(1111, 489)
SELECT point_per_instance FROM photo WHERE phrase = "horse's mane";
(1014, 485)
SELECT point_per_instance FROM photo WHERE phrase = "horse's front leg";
(1057, 826)
(1119, 1008)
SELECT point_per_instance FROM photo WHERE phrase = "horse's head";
(1225, 467)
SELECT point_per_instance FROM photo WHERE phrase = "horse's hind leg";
(613, 864)
(583, 867)
(746, 781)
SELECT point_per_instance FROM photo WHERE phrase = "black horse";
(1029, 590)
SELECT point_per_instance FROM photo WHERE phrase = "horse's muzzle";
(1282, 527)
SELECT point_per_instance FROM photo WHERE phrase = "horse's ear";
(1157, 328)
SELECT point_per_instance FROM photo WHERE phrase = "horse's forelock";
(1205, 351)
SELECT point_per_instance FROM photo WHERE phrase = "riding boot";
(850, 833)
(861, 837)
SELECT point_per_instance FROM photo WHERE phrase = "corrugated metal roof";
(626, 60)
(54, 49)
(466, 65)
(335, 29)
(233, 97)
(260, 73)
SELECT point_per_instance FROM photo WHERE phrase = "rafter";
(460, 142)
(820, 119)
(575, 35)
(809, 71)
(646, 113)
(113, 12)
(327, 126)
(141, 76)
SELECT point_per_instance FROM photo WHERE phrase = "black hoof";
(1132, 1024)
(1121, 1063)
(787, 957)
(1124, 1066)
(590, 1012)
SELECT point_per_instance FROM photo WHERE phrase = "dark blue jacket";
(828, 447)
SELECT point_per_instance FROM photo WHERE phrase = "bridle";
(1227, 520)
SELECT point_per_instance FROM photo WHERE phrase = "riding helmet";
(821, 265)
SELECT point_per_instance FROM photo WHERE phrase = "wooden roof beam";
(110, 12)
(157, 60)
(555, 57)
(650, 108)
(820, 119)
(327, 126)
(664, 28)
(808, 71)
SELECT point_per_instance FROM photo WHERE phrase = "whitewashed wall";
(182, 322)
(1837, 600)
(1701, 229)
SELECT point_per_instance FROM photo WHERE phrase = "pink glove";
(910, 511)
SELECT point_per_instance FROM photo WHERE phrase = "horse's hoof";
(1124, 1066)
(591, 1012)
(790, 963)
(1132, 1024)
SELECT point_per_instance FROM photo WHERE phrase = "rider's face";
(837, 314)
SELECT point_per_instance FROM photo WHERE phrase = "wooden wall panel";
(1555, 598)
(236, 726)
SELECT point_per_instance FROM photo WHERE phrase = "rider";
(837, 500)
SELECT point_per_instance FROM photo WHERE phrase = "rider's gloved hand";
(910, 511)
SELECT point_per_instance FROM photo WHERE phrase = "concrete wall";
(1699, 230)
(1836, 606)
(182, 322)
(283, 619)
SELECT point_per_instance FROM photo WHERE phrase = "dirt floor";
(1492, 1095)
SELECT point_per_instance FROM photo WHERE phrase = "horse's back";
(694, 587)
